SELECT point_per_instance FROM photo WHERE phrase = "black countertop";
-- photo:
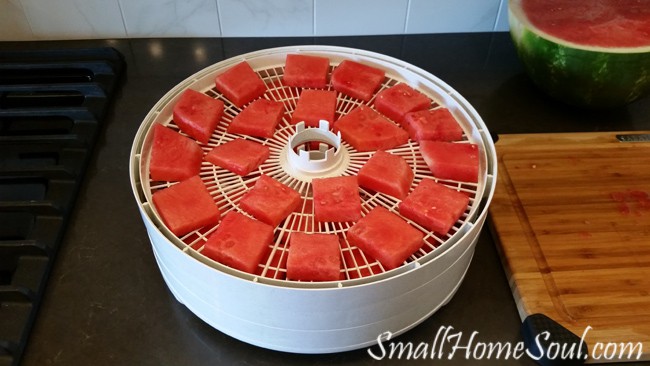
(106, 302)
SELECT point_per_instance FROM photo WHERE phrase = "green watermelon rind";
(578, 75)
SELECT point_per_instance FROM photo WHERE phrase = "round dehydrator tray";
(267, 310)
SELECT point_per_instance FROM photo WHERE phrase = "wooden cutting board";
(571, 213)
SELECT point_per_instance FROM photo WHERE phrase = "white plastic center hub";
(304, 161)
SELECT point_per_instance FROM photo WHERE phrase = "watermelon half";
(590, 53)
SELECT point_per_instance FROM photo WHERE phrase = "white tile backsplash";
(359, 17)
(266, 18)
(78, 19)
(170, 18)
(445, 16)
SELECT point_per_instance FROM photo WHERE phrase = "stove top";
(52, 104)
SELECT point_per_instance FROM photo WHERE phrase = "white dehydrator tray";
(269, 311)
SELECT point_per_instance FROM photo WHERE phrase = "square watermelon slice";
(398, 100)
(367, 130)
(336, 199)
(454, 161)
(314, 257)
(306, 71)
(270, 201)
(386, 237)
(239, 242)
(258, 119)
(186, 206)
(357, 80)
(240, 84)
(386, 173)
(239, 156)
(314, 105)
(437, 125)
(174, 157)
(197, 114)
(434, 206)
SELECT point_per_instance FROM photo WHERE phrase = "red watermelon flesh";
(197, 114)
(357, 80)
(240, 242)
(258, 119)
(186, 206)
(238, 156)
(240, 84)
(434, 206)
(174, 157)
(367, 130)
(437, 125)
(314, 105)
(336, 199)
(600, 23)
(386, 173)
(314, 257)
(270, 201)
(306, 71)
(398, 100)
(386, 237)
(454, 161)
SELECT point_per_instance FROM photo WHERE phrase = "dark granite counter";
(106, 302)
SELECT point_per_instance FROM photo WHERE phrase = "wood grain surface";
(571, 215)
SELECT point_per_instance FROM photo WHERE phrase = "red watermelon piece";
(386, 173)
(174, 157)
(186, 206)
(240, 84)
(238, 156)
(314, 105)
(357, 80)
(306, 71)
(239, 242)
(437, 125)
(367, 130)
(270, 201)
(336, 199)
(434, 206)
(314, 257)
(386, 237)
(197, 114)
(448, 160)
(398, 100)
(258, 119)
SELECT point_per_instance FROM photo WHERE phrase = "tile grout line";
(407, 16)
(126, 29)
(498, 17)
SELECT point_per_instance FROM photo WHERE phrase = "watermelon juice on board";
(589, 53)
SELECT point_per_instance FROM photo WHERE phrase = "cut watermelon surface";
(174, 157)
(454, 161)
(239, 242)
(306, 71)
(436, 125)
(357, 80)
(386, 237)
(434, 206)
(314, 105)
(398, 100)
(258, 119)
(336, 199)
(270, 201)
(186, 206)
(367, 130)
(239, 156)
(240, 84)
(593, 53)
(314, 257)
(197, 114)
(386, 173)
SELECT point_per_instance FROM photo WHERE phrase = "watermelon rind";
(580, 75)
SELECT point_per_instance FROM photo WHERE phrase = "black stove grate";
(52, 104)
